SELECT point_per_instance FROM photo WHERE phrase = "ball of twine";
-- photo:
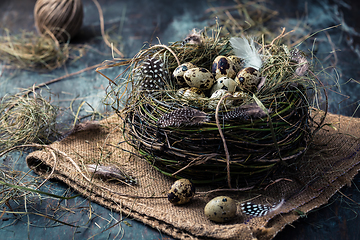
(60, 18)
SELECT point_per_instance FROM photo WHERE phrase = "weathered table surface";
(138, 22)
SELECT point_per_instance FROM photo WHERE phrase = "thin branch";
(223, 138)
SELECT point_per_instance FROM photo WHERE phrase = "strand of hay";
(31, 52)
(101, 17)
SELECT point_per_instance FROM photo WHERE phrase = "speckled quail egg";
(248, 79)
(238, 98)
(215, 98)
(179, 72)
(181, 192)
(192, 93)
(239, 94)
(225, 83)
(199, 77)
(238, 62)
(220, 209)
(223, 67)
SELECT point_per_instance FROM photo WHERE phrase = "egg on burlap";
(181, 192)
(220, 209)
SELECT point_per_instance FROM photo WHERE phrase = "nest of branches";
(242, 142)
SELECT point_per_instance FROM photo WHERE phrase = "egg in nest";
(192, 93)
(238, 98)
(215, 98)
(225, 83)
(223, 67)
(181, 192)
(199, 77)
(248, 79)
(178, 73)
(238, 63)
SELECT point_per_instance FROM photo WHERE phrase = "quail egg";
(181, 192)
(223, 67)
(179, 72)
(238, 98)
(239, 94)
(216, 96)
(192, 93)
(248, 79)
(221, 209)
(199, 77)
(225, 83)
(238, 62)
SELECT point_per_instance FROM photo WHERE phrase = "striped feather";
(182, 116)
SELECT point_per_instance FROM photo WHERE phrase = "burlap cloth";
(331, 163)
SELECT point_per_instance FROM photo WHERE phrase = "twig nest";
(220, 209)
(61, 18)
(248, 79)
(181, 192)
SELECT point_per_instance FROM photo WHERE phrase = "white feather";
(245, 48)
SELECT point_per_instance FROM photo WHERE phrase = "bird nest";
(240, 135)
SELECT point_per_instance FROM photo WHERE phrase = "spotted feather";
(153, 74)
(111, 172)
(256, 210)
(182, 116)
(297, 56)
(194, 37)
(259, 210)
(245, 112)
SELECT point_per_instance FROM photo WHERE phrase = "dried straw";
(248, 17)
(31, 52)
(25, 119)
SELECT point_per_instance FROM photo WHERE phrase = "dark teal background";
(142, 21)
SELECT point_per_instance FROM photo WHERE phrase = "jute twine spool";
(62, 18)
